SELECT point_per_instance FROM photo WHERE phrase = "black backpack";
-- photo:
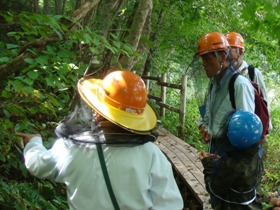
(251, 72)
(261, 108)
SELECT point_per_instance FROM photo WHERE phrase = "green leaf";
(42, 60)
(51, 49)
(33, 74)
(17, 128)
(4, 59)
(17, 85)
(33, 110)
(2, 157)
(25, 80)
(117, 44)
(29, 60)
(64, 54)
(23, 169)
(88, 38)
(7, 113)
(11, 46)
(6, 94)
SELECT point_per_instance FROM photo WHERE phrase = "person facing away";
(232, 178)
(140, 175)
(237, 49)
(213, 48)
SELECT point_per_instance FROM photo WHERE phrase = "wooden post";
(147, 82)
(182, 114)
(163, 95)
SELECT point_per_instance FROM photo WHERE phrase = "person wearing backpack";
(213, 49)
(232, 178)
(113, 164)
(252, 73)
(236, 43)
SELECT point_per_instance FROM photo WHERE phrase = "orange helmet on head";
(121, 98)
(211, 42)
(235, 40)
(125, 91)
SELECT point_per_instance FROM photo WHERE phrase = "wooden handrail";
(161, 101)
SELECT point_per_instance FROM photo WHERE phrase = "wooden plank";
(182, 146)
(185, 160)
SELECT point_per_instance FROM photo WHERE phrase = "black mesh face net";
(81, 126)
(81, 119)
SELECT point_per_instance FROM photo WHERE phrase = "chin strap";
(220, 61)
(219, 71)
(235, 63)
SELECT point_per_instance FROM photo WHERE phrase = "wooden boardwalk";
(187, 166)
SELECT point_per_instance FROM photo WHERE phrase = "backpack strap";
(231, 89)
(251, 72)
(106, 176)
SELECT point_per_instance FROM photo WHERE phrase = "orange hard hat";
(125, 91)
(235, 40)
(121, 98)
(210, 42)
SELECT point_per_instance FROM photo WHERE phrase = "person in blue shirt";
(213, 49)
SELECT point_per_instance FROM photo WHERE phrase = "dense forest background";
(47, 45)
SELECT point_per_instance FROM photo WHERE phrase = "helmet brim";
(142, 123)
(212, 50)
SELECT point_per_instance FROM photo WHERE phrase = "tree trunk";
(35, 6)
(107, 12)
(145, 6)
(81, 13)
(143, 48)
(102, 21)
(79, 3)
(46, 8)
(153, 38)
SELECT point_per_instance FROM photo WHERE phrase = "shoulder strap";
(231, 89)
(106, 176)
(251, 72)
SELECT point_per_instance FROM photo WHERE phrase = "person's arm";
(206, 116)
(39, 161)
(204, 126)
(27, 137)
(207, 160)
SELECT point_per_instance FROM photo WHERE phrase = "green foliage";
(271, 178)
(36, 99)
(32, 195)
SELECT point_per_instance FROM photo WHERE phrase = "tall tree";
(144, 8)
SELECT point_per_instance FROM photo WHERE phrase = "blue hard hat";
(244, 129)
